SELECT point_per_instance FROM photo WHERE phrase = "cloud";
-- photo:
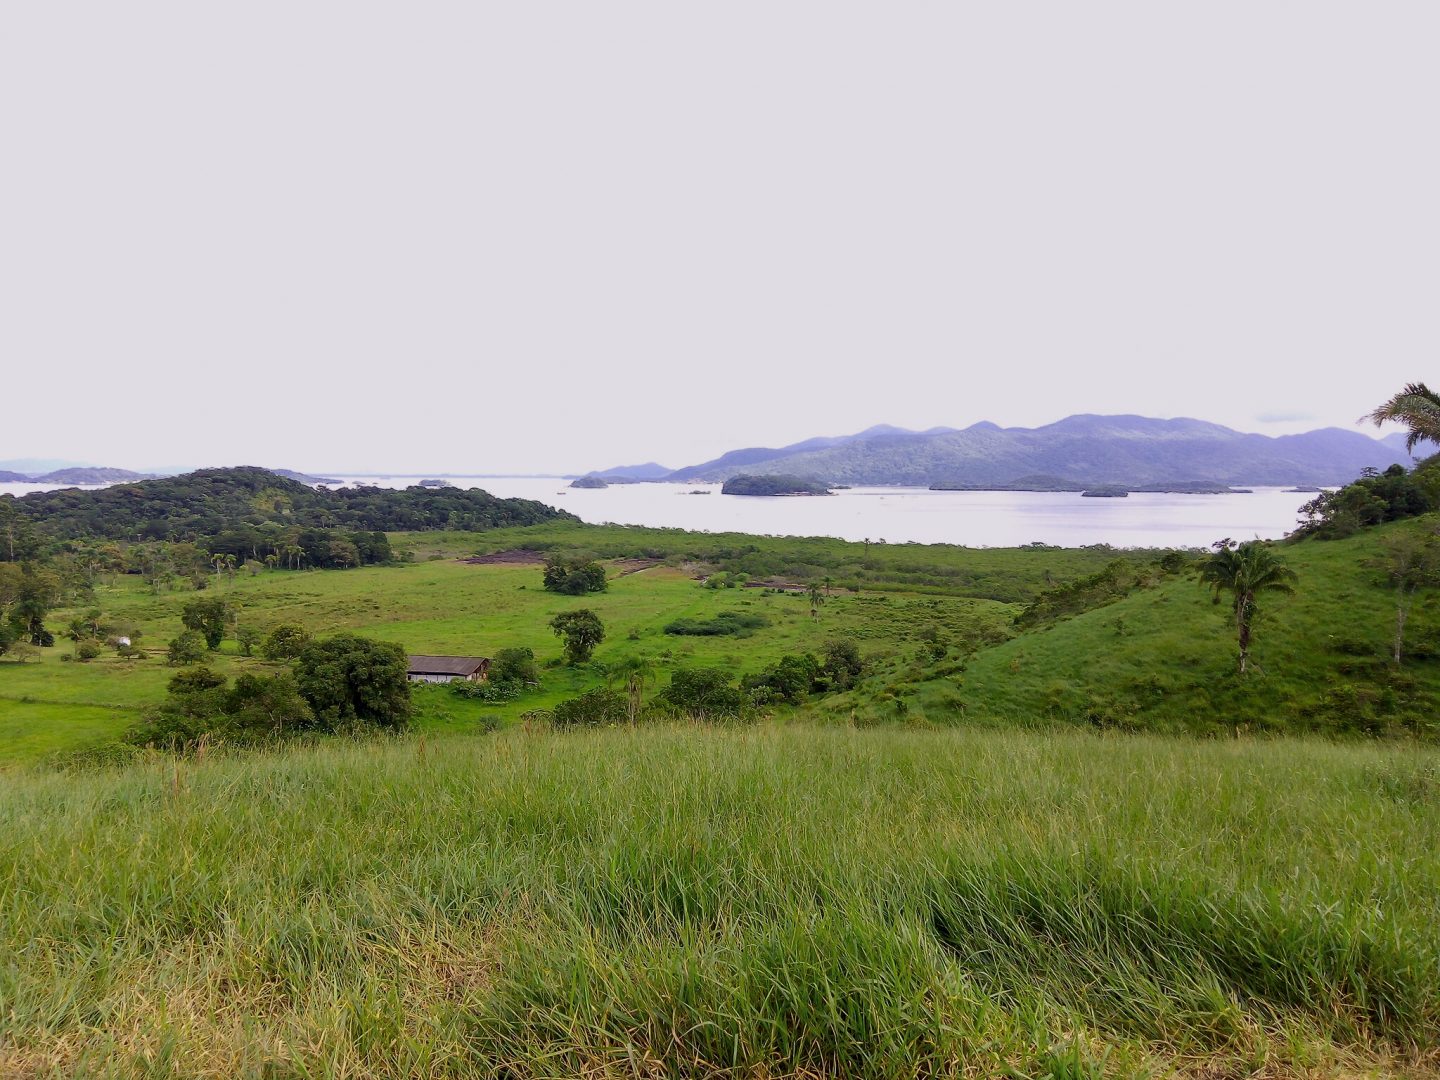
(1280, 416)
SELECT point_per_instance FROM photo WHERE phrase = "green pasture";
(447, 607)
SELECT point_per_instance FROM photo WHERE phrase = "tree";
(582, 631)
(38, 592)
(209, 616)
(1418, 408)
(248, 637)
(1409, 562)
(634, 673)
(348, 678)
(187, 648)
(574, 576)
(817, 597)
(1245, 571)
(285, 642)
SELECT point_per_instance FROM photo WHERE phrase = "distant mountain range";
(74, 475)
(1084, 449)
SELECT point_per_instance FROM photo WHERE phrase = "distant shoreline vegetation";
(773, 485)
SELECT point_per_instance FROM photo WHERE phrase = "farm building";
(444, 669)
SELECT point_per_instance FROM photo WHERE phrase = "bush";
(490, 691)
(598, 708)
(515, 665)
(842, 665)
(88, 650)
(187, 648)
(791, 680)
(734, 623)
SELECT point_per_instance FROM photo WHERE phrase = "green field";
(772, 901)
(444, 606)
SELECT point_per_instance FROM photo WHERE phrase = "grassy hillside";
(756, 902)
(1164, 658)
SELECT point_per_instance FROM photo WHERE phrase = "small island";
(773, 485)
(589, 482)
(1106, 491)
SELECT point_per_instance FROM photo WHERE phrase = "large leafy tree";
(1418, 408)
(581, 631)
(348, 678)
(1245, 571)
(209, 616)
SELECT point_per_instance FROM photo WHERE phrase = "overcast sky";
(480, 237)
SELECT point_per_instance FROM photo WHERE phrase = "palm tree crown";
(1418, 408)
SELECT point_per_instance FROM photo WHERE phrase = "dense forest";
(204, 504)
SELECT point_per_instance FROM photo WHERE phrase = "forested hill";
(1086, 450)
(209, 501)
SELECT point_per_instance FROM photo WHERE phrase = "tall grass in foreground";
(761, 902)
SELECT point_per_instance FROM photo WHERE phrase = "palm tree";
(1418, 408)
(1245, 570)
(634, 672)
(817, 597)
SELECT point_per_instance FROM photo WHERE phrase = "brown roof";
(447, 665)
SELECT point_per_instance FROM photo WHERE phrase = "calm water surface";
(899, 515)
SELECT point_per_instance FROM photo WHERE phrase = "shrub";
(735, 623)
(88, 650)
(791, 680)
(490, 691)
(842, 665)
(598, 708)
(514, 665)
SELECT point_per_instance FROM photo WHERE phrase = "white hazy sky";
(475, 237)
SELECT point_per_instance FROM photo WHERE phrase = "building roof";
(447, 665)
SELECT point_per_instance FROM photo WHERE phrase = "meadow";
(699, 901)
(438, 604)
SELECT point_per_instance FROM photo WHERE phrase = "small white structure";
(444, 669)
